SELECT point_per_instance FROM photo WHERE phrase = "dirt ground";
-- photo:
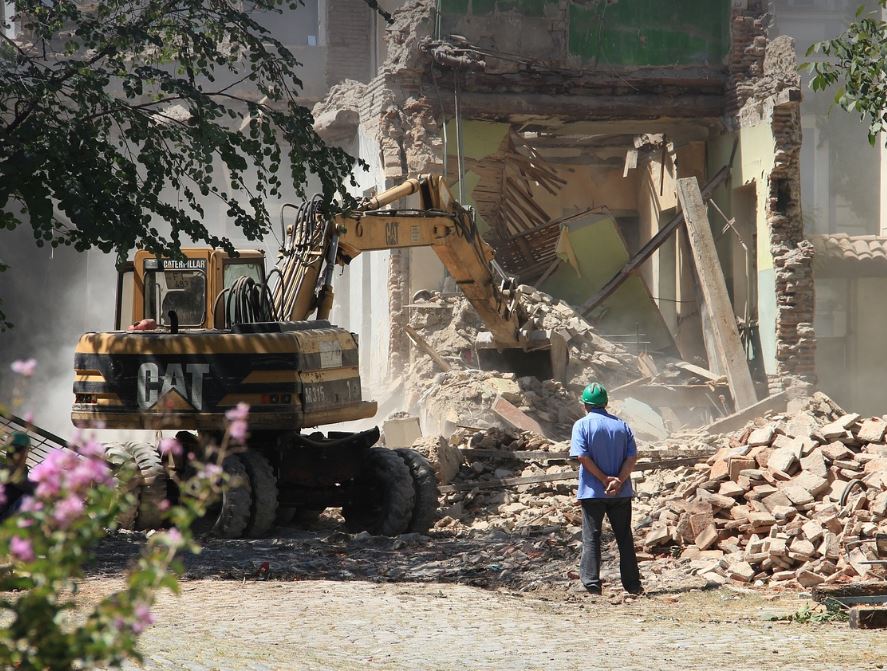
(323, 624)
(338, 601)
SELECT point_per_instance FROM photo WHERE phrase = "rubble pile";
(591, 357)
(790, 501)
(488, 456)
(464, 395)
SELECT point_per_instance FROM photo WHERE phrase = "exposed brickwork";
(764, 87)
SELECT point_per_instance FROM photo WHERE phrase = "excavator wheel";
(263, 485)
(229, 517)
(155, 481)
(387, 506)
(425, 487)
(119, 459)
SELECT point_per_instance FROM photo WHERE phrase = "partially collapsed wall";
(402, 107)
(764, 87)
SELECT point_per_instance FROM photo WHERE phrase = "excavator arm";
(439, 222)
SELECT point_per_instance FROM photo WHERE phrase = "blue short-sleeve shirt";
(609, 442)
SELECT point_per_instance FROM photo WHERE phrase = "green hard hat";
(595, 395)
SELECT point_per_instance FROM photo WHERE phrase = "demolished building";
(577, 134)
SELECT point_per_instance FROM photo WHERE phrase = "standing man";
(605, 447)
(15, 482)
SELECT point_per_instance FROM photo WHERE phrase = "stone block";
(797, 494)
(777, 547)
(872, 430)
(814, 463)
(707, 538)
(762, 436)
(657, 536)
(786, 443)
(741, 571)
(735, 466)
(814, 484)
(807, 578)
(782, 460)
(777, 498)
(836, 450)
(812, 531)
(730, 488)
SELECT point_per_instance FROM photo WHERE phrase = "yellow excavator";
(197, 335)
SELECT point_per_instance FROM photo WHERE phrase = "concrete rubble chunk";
(836, 450)
(814, 484)
(782, 460)
(762, 436)
(814, 463)
(707, 538)
(872, 430)
(808, 578)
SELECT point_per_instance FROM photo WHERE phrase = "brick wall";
(764, 86)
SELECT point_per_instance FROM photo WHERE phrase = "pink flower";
(144, 618)
(2, 495)
(31, 505)
(240, 412)
(91, 448)
(67, 510)
(164, 505)
(173, 538)
(28, 417)
(24, 367)
(171, 446)
(210, 472)
(238, 431)
(21, 549)
(87, 473)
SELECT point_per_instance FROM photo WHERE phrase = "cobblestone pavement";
(363, 625)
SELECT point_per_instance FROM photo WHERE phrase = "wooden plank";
(699, 371)
(554, 477)
(669, 396)
(714, 290)
(821, 593)
(868, 617)
(656, 457)
(423, 345)
(516, 417)
(649, 248)
(737, 420)
(560, 355)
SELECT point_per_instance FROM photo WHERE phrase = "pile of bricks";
(777, 505)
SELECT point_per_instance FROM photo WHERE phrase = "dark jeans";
(618, 511)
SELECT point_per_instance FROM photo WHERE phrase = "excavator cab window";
(182, 290)
(125, 288)
(235, 268)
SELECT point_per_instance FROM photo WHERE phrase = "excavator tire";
(154, 485)
(233, 511)
(425, 487)
(119, 459)
(263, 485)
(389, 510)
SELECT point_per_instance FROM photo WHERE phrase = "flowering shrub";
(75, 500)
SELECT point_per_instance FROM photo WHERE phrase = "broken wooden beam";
(868, 617)
(714, 290)
(554, 477)
(650, 247)
(737, 420)
(423, 345)
(516, 417)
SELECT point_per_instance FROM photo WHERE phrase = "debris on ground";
(794, 500)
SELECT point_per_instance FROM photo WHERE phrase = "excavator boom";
(438, 222)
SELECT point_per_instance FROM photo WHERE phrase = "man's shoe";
(636, 591)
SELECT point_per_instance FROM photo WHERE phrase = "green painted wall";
(605, 32)
(752, 165)
(601, 252)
